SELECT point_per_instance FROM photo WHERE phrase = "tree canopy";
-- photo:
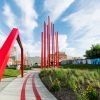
(93, 52)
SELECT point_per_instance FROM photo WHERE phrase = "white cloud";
(33, 49)
(56, 7)
(29, 16)
(63, 42)
(26, 23)
(2, 38)
(85, 27)
(10, 17)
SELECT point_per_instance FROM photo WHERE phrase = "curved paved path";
(29, 87)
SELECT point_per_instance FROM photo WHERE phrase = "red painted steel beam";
(5, 51)
(44, 44)
(57, 50)
(41, 49)
(22, 55)
(53, 51)
(47, 45)
(48, 41)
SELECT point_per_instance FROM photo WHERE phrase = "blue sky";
(77, 21)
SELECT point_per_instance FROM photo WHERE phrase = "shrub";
(60, 74)
(91, 93)
(43, 73)
(55, 85)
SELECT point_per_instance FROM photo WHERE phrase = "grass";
(78, 77)
(11, 73)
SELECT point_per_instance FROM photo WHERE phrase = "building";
(13, 57)
(62, 56)
(34, 60)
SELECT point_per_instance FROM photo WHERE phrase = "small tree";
(94, 52)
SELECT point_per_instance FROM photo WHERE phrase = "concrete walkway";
(29, 87)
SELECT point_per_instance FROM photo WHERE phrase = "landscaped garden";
(73, 82)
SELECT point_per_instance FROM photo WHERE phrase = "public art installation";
(5, 51)
(45, 46)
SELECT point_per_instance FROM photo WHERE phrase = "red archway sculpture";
(5, 51)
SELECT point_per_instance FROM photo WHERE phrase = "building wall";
(62, 56)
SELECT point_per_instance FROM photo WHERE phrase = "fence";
(81, 61)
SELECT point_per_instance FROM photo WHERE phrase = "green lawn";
(11, 73)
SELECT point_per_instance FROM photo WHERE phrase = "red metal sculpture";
(41, 49)
(57, 51)
(53, 48)
(48, 34)
(5, 51)
(45, 42)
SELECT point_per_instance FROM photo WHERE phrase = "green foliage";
(94, 52)
(27, 68)
(81, 66)
(55, 85)
(43, 73)
(74, 78)
(91, 93)
(60, 74)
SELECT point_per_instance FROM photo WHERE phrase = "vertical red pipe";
(47, 45)
(52, 28)
(48, 42)
(57, 51)
(44, 44)
(54, 50)
(22, 62)
(41, 49)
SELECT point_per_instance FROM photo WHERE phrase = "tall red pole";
(22, 62)
(41, 49)
(54, 51)
(44, 44)
(52, 28)
(47, 45)
(48, 32)
(57, 50)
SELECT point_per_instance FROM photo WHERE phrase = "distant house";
(62, 56)
(34, 60)
(12, 57)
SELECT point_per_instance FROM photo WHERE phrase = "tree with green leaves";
(93, 52)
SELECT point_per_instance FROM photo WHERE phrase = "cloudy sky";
(77, 21)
